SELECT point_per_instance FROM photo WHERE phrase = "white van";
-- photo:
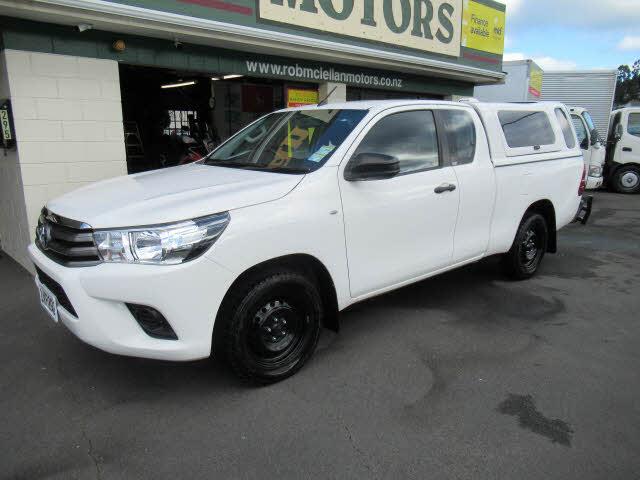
(622, 168)
(306, 211)
(591, 144)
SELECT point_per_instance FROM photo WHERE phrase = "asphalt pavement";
(463, 376)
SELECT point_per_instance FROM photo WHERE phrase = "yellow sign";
(535, 81)
(297, 97)
(426, 25)
(483, 27)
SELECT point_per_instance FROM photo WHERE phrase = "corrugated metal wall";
(593, 90)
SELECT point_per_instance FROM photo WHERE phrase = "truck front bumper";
(594, 183)
(187, 296)
(584, 210)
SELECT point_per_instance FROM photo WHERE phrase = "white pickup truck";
(246, 254)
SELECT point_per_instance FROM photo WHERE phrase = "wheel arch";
(545, 208)
(301, 262)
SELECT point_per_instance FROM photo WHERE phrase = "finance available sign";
(483, 27)
(426, 25)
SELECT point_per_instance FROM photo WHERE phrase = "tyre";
(270, 327)
(528, 249)
(626, 179)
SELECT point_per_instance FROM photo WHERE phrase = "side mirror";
(371, 166)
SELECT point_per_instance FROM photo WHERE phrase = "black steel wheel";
(528, 249)
(271, 329)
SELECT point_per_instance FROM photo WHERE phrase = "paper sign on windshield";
(321, 153)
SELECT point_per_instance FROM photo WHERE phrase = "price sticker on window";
(322, 152)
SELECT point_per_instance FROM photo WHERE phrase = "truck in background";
(588, 93)
(592, 90)
(622, 166)
(591, 144)
(523, 83)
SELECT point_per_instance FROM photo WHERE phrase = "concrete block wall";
(68, 120)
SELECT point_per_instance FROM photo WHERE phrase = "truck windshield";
(289, 142)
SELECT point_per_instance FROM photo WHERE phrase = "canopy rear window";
(524, 128)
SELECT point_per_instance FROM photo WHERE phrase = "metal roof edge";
(144, 20)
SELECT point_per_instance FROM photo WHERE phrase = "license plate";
(48, 301)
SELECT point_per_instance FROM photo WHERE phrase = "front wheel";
(626, 179)
(272, 327)
(530, 244)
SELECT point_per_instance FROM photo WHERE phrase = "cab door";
(468, 154)
(628, 148)
(398, 228)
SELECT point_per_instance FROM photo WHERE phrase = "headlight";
(595, 171)
(163, 244)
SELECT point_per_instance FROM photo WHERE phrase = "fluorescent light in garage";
(175, 85)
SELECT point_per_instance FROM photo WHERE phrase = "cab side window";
(634, 124)
(460, 134)
(581, 131)
(408, 136)
(567, 132)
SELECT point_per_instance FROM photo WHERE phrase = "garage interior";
(173, 117)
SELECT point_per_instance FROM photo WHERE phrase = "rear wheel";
(528, 249)
(271, 328)
(626, 179)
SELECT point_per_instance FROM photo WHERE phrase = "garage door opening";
(172, 117)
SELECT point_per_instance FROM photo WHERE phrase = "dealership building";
(92, 89)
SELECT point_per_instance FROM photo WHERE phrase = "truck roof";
(385, 104)
(372, 104)
(630, 109)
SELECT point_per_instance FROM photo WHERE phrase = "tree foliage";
(628, 84)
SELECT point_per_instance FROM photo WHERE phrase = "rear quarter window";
(460, 133)
(523, 128)
(567, 131)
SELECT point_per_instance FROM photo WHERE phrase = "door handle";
(627, 149)
(445, 187)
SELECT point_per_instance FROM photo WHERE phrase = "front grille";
(65, 241)
(57, 290)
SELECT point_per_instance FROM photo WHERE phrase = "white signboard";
(426, 25)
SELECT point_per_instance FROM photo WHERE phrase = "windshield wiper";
(288, 170)
(257, 166)
(267, 168)
(218, 163)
